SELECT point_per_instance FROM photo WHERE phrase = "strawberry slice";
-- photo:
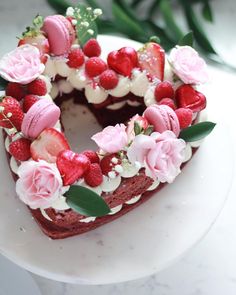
(151, 58)
(48, 145)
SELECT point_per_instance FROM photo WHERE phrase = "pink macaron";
(60, 34)
(162, 118)
(43, 114)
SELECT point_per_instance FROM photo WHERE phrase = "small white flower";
(70, 11)
(85, 24)
(74, 22)
(1, 109)
(97, 12)
(91, 32)
(9, 115)
(89, 8)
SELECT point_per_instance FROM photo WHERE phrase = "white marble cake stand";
(139, 244)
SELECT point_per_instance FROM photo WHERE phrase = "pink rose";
(161, 154)
(188, 65)
(112, 139)
(141, 121)
(22, 65)
(39, 184)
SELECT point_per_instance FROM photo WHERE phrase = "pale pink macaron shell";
(163, 118)
(60, 34)
(43, 114)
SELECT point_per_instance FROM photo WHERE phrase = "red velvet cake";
(147, 103)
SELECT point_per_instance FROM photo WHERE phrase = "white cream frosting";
(95, 94)
(122, 88)
(77, 79)
(139, 83)
(97, 189)
(45, 215)
(54, 91)
(7, 143)
(50, 68)
(62, 68)
(133, 103)
(154, 185)
(88, 219)
(115, 210)
(187, 153)
(134, 200)
(149, 97)
(14, 165)
(116, 106)
(64, 86)
(47, 81)
(129, 170)
(110, 184)
(60, 204)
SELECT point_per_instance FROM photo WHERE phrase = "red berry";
(164, 90)
(11, 114)
(76, 58)
(20, 149)
(37, 87)
(108, 79)
(29, 100)
(48, 145)
(93, 176)
(72, 166)
(108, 164)
(92, 48)
(169, 102)
(185, 117)
(95, 66)
(15, 90)
(93, 157)
(151, 58)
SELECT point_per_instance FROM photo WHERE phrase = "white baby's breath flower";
(97, 12)
(90, 32)
(70, 11)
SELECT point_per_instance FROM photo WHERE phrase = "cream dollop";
(110, 184)
(95, 94)
(139, 83)
(122, 88)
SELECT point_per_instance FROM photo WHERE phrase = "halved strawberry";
(48, 145)
(151, 58)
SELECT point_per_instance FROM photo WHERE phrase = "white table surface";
(209, 268)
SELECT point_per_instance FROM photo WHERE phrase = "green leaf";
(3, 84)
(149, 130)
(207, 12)
(137, 128)
(85, 16)
(86, 202)
(155, 39)
(186, 40)
(197, 131)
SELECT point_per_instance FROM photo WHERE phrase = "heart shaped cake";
(147, 103)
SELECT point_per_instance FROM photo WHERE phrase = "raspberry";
(164, 90)
(15, 90)
(93, 157)
(92, 48)
(37, 87)
(94, 175)
(76, 58)
(95, 66)
(108, 79)
(29, 100)
(185, 117)
(20, 149)
(169, 102)
(108, 164)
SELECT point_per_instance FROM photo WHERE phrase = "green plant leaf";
(197, 131)
(149, 130)
(155, 39)
(86, 202)
(3, 84)
(186, 40)
(207, 12)
(83, 32)
(137, 128)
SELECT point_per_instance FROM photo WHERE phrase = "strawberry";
(164, 90)
(37, 87)
(123, 60)
(29, 100)
(34, 36)
(11, 114)
(48, 145)
(93, 157)
(187, 97)
(75, 58)
(72, 166)
(20, 149)
(185, 117)
(15, 90)
(108, 79)
(95, 66)
(108, 164)
(169, 102)
(93, 176)
(151, 58)
(92, 48)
